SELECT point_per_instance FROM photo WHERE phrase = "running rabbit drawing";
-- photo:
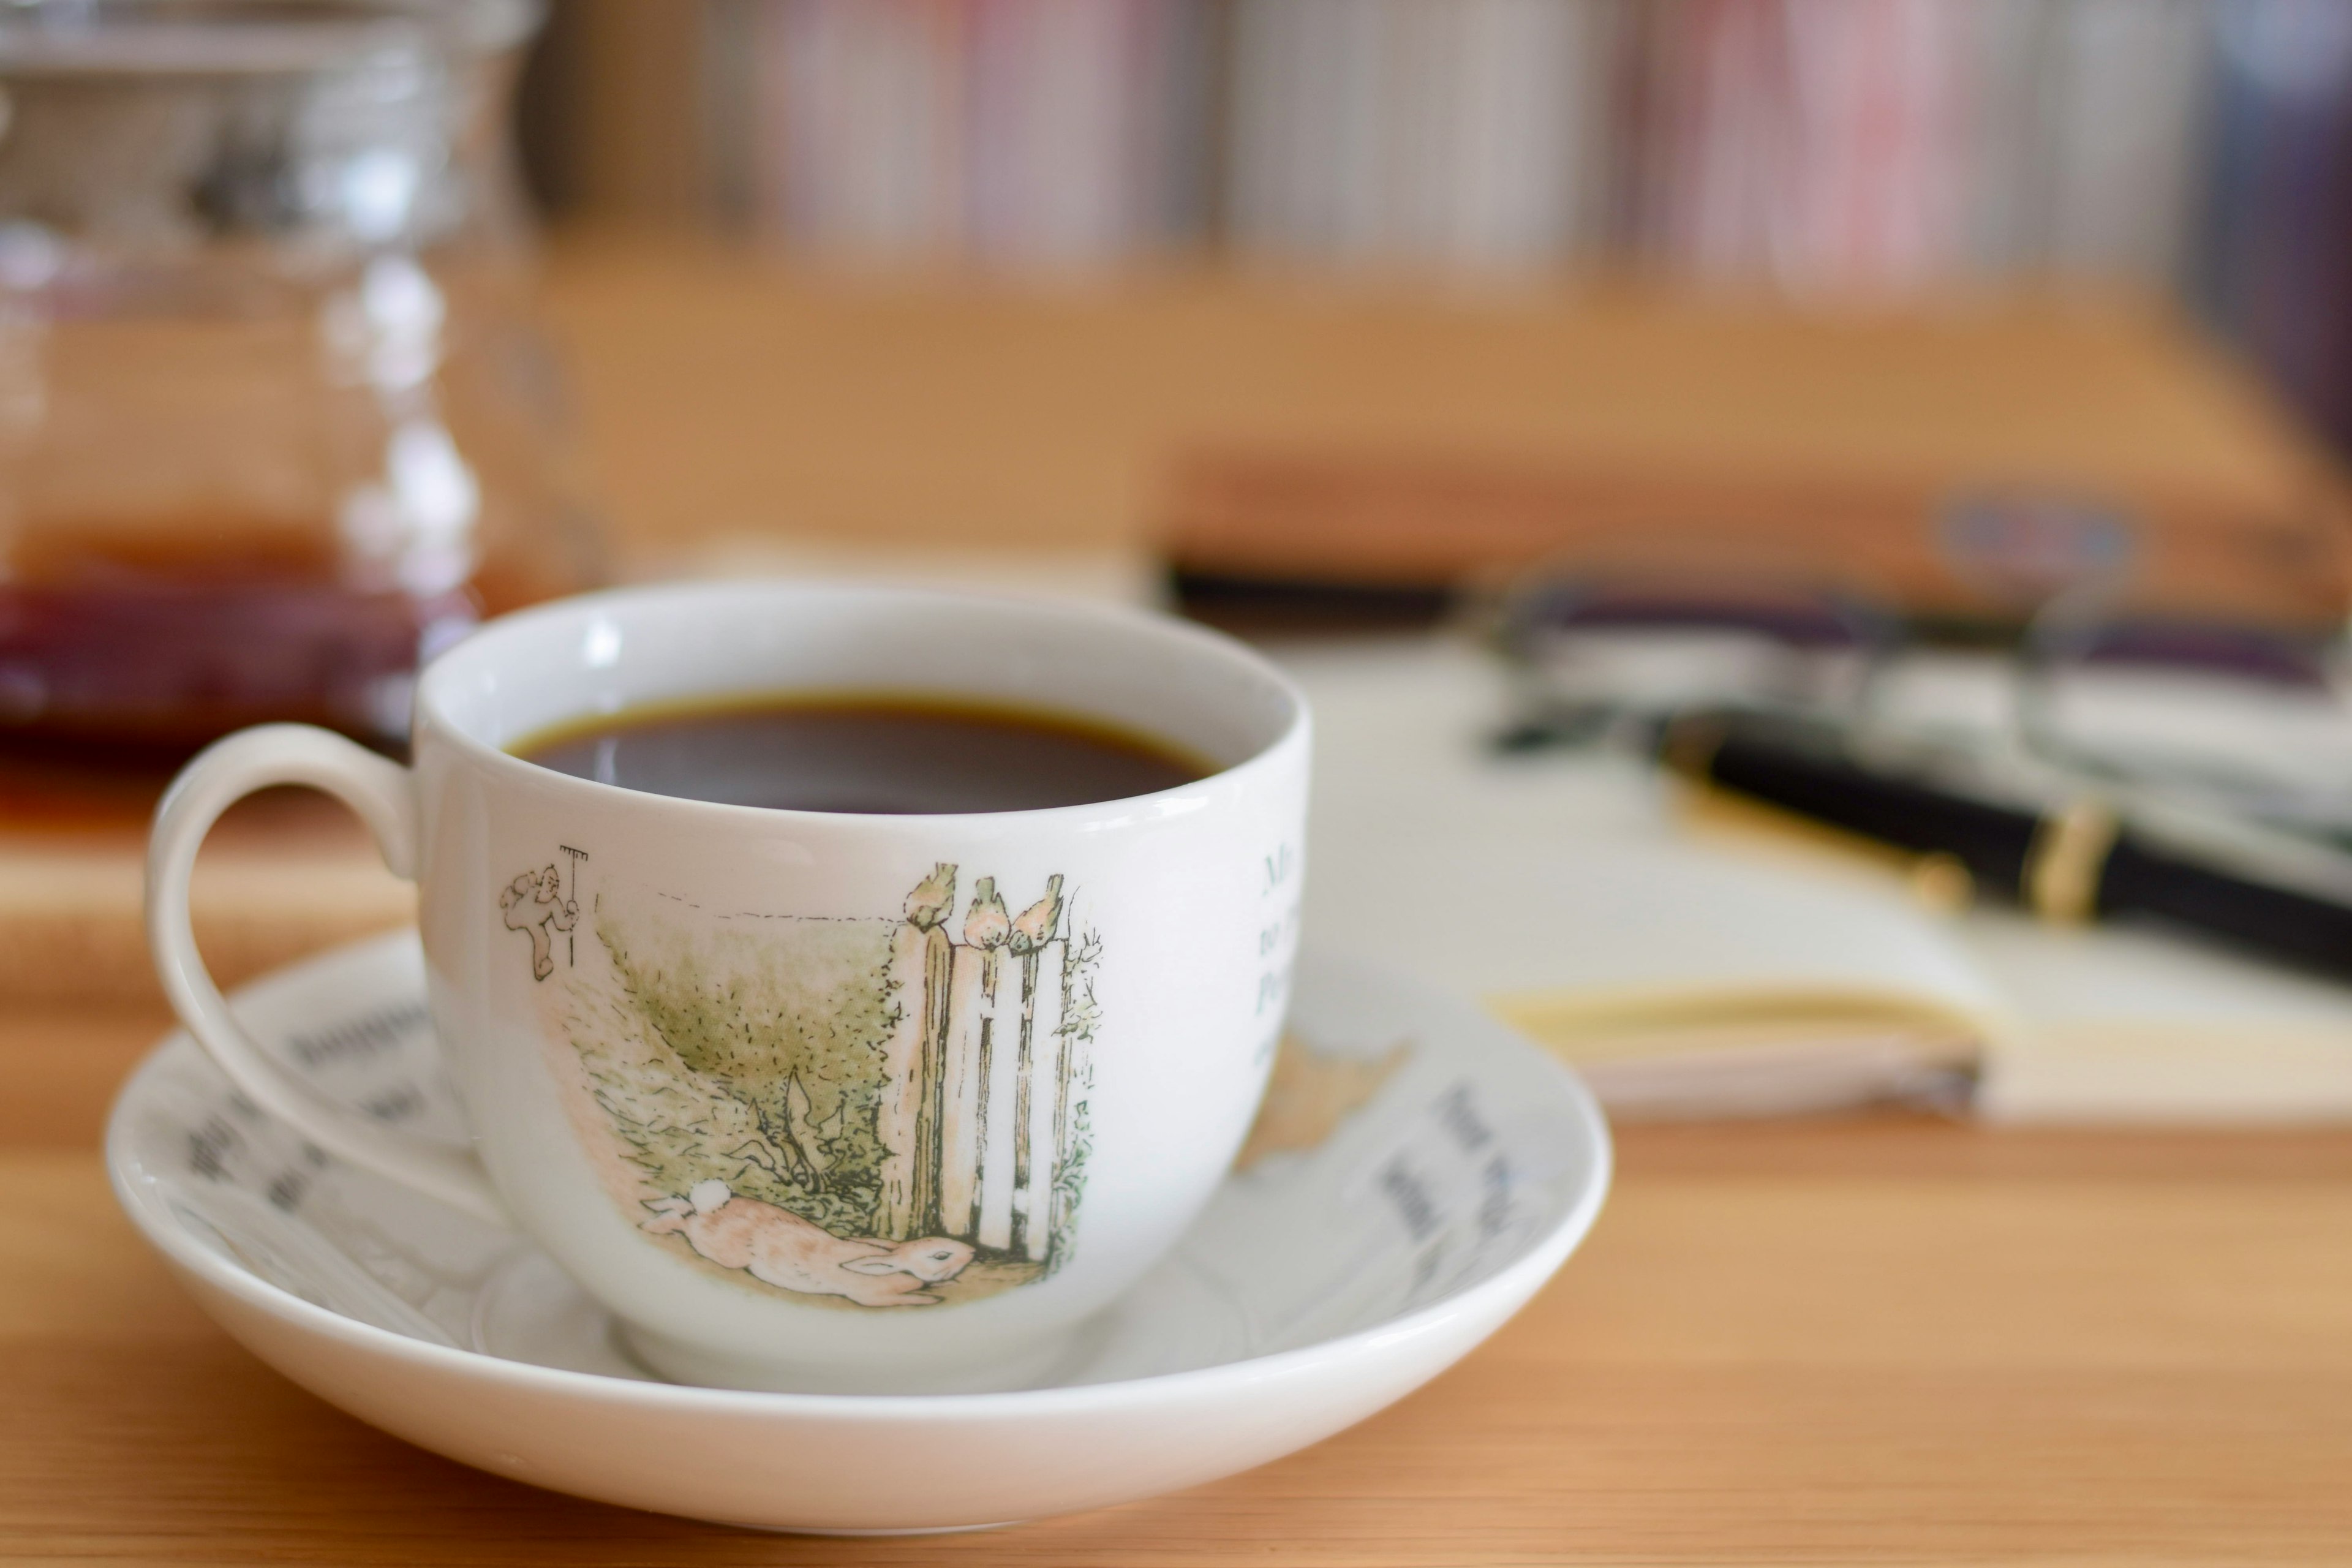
(779, 1246)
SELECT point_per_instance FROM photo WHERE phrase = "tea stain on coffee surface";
(868, 1113)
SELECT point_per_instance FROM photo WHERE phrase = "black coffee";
(890, 755)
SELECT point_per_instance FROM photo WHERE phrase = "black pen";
(2082, 858)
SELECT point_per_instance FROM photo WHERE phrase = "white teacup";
(794, 1093)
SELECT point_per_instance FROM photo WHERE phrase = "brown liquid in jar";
(146, 644)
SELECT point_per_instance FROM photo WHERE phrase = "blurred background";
(1869, 155)
(1958, 305)
(1964, 382)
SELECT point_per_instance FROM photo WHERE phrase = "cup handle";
(384, 794)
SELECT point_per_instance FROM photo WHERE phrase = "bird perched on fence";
(985, 925)
(933, 898)
(1033, 928)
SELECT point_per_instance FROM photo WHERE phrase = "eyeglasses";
(2249, 721)
(1593, 653)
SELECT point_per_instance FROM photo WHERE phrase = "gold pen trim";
(2063, 864)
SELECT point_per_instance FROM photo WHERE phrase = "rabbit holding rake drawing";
(779, 1246)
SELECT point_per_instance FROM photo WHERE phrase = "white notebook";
(1689, 967)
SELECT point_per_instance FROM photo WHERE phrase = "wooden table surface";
(1883, 1339)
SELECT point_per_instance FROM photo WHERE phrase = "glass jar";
(275, 423)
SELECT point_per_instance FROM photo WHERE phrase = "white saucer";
(1420, 1173)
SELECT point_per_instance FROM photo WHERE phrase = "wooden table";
(1875, 1340)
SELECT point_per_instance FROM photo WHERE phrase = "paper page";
(1556, 886)
(2126, 1025)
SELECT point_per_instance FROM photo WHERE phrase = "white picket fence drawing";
(975, 1111)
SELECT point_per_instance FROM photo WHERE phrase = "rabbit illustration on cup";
(793, 1099)
(779, 1246)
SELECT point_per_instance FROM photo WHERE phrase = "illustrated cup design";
(885, 1112)
(812, 1100)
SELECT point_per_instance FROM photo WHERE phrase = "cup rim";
(1182, 638)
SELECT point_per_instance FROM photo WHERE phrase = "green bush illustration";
(1080, 1016)
(772, 1068)
(757, 1051)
